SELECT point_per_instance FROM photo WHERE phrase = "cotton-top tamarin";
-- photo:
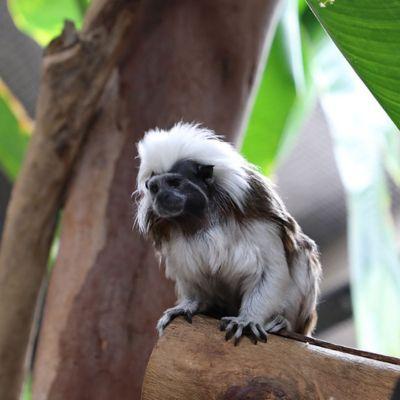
(225, 236)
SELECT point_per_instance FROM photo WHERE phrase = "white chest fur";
(229, 250)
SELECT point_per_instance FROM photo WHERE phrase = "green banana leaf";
(367, 32)
(364, 137)
(14, 133)
(27, 389)
(284, 96)
(43, 20)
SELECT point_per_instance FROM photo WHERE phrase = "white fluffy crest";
(159, 150)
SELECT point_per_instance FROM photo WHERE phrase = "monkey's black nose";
(167, 198)
(169, 203)
(167, 195)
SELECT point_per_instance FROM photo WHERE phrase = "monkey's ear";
(205, 171)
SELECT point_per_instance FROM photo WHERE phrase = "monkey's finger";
(222, 325)
(230, 330)
(160, 329)
(278, 327)
(263, 334)
(275, 324)
(224, 322)
(188, 316)
(169, 317)
(162, 324)
(238, 335)
(254, 334)
(252, 338)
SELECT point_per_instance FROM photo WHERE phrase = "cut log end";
(193, 361)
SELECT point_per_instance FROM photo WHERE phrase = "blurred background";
(314, 129)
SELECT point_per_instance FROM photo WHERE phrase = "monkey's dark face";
(182, 191)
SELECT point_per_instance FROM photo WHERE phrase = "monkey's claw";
(235, 327)
(170, 315)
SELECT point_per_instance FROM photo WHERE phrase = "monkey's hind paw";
(170, 315)
(278, 323)
(235, 327)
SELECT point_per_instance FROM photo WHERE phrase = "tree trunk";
(76, 68)
(188, 60)
(195, 362)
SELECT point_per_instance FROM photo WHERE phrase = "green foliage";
(276, 97)
(367, 146)
(368, 34)
(14, 131)
(364, 146)
(284, 95)
(44, 19)
(27, 389)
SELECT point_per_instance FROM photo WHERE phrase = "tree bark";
(195, 362)
(187, 60)
(75, 69)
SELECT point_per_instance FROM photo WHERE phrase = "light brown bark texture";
(75, 69)
(187, 60)
(195, 362)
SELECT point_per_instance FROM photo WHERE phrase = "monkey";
(224, 236)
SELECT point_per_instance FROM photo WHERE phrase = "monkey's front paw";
(171, 314)
(236, 326)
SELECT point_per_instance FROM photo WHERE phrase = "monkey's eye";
(205, 172)
(146, 184)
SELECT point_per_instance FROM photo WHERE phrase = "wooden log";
(195, 362)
